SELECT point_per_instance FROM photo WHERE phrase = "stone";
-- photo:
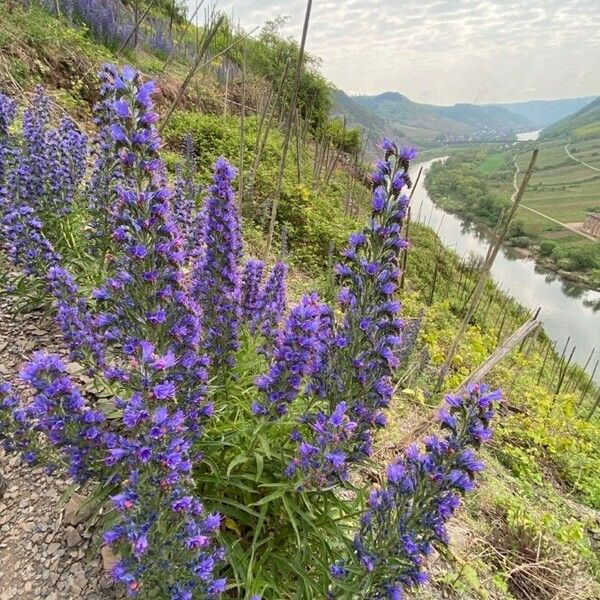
(72, 537)
(109, 559)
(77, 510)
(53, 548)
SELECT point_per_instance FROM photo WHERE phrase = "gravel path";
(579, 160)
(46, 550)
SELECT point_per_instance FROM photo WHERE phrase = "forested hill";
(430, 124)
(542, 113)
(584, 124)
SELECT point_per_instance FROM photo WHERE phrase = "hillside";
(430, 123)
(190, 478)
(584, 124)
(541, 113)
(464, 122)
(358, 115)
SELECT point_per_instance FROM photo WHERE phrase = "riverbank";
(568, 309)
(476, 185)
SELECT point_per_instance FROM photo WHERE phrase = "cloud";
(447, 51)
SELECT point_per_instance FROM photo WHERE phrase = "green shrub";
(547, 247)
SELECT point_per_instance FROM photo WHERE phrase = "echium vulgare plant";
(231, 441)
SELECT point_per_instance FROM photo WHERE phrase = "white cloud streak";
(446, 51)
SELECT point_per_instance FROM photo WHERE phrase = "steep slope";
(584, 124)
(372, 124)
(443, 123)
(397, 109)
(542, 113)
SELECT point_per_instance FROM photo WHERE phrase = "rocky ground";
(47, 548)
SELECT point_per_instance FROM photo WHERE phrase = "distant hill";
(542, 113)
(431, 124)
(428, 122)
(372, 124)
(583, 124)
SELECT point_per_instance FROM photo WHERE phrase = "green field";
(492, 163)
(477, 184)
(559, 187)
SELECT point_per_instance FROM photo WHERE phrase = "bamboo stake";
(261, 143)
(560, 360)
(593, 410)
(136, 16)
(583, 371)
(501, 327)
(298, 149)
(286, 140)
(550, 346)
(435, 274)
(480, 286)
(589, 384)
(182, 36)
(564, 372)
(242, 129)
(197, 66)
(135, 27)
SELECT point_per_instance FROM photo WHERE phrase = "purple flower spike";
(216, 282)
(401, 527)
(251, 290)
(364, 349)
(297, 356)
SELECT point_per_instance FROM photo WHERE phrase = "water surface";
(567, 309)
(527, 136)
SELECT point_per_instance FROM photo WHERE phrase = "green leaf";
(237, 460)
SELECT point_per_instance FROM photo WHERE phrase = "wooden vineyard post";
(560, 360)
(593, 409)
(564, 372)
(288, 129)
(548, 349)
(589, 385)
(434, 281)
(583, 371)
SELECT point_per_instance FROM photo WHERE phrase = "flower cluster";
(186, 192)
(296, 356)
(59, 411)
(32, 178)
(75, 320)
(101, 190)
(355, 376)
(8, 111)
(324, 462)
(156, 502)
(165, 313)
(410, 334)
(66, 156)
(216, 282)
(271, 307)
(407, 518)
(251, 290)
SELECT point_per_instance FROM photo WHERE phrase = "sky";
(446, 51)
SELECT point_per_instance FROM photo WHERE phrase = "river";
(567, 310)
(528, 136)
